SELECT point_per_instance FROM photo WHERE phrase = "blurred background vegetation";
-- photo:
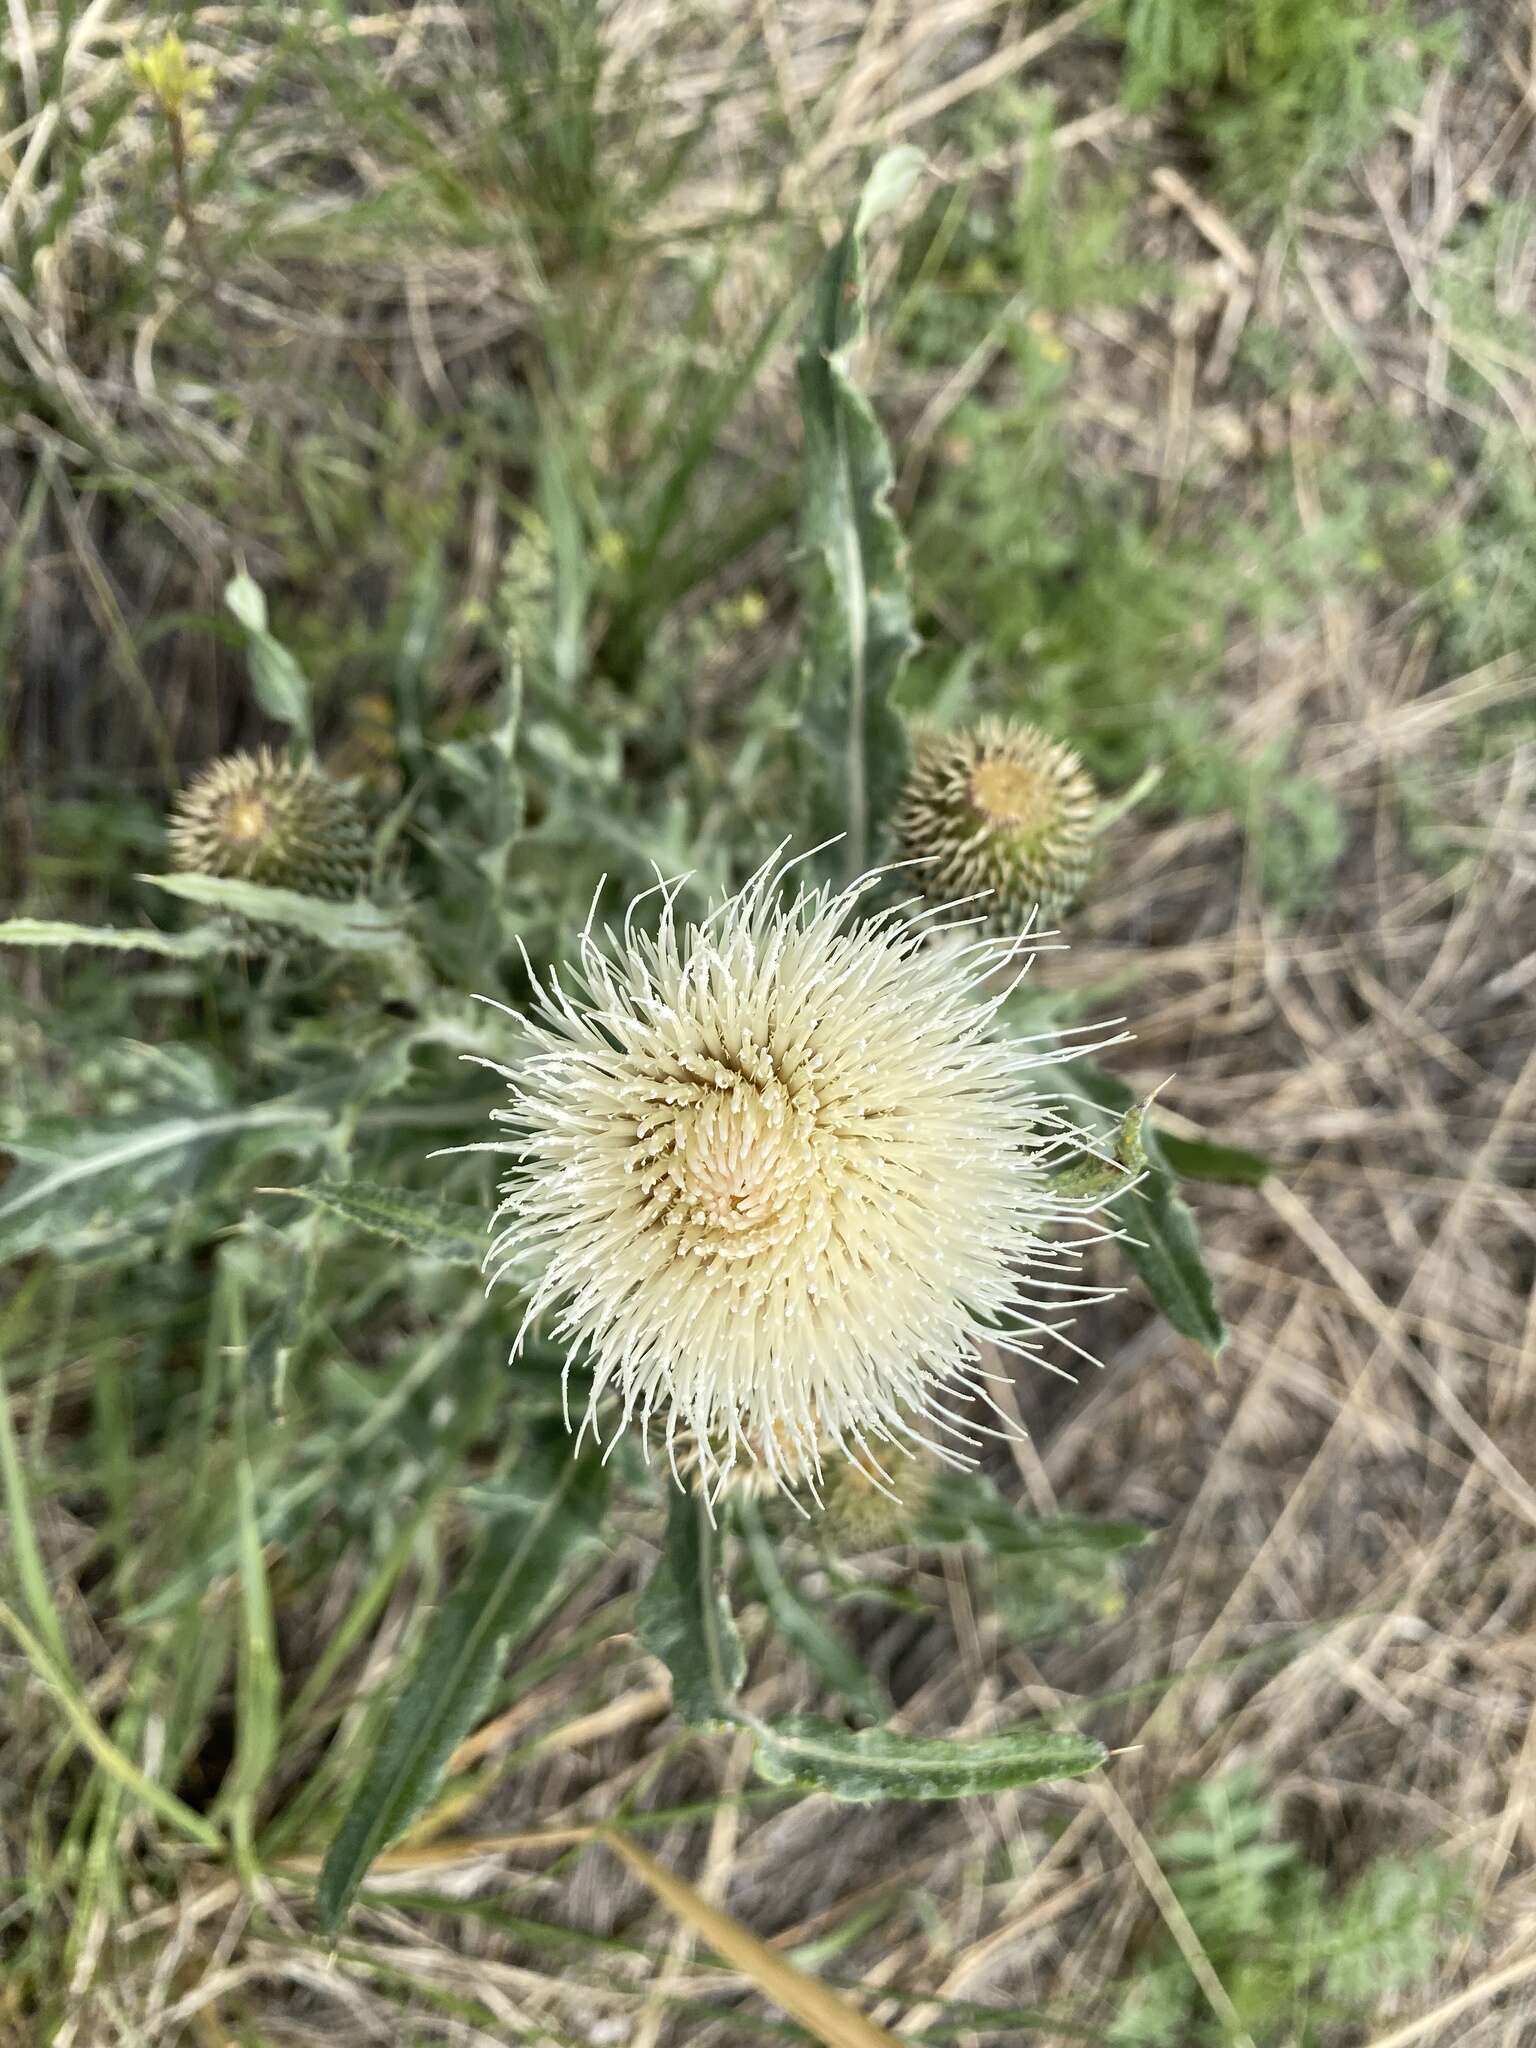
(466, 333)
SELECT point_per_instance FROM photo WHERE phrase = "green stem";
(708, 1564)
(94, 1738)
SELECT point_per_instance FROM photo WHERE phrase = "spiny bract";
(284, 824)
(778, 1178)
(998, 811)
(869, 1512)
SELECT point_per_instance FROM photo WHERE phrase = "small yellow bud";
(164, 71)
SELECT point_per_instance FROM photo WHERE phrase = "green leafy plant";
(496, 416)
(340, 1563)
(1298, 1957)
(860, 611)
(488, 824)
(1280, 91)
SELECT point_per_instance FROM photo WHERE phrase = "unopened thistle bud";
(259, 818)
(709, 1468)
(866, 1512)
(868, 1506)
(999, 811)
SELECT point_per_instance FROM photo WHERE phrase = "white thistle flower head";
(780, 1179)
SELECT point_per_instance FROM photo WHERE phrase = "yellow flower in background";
(1001, 812)
(165, 71)
(179, 87)
(779, 1178)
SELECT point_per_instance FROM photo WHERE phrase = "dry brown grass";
(1357, 1485)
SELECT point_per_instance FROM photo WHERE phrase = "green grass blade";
(701, 439)
(93, 1738)
(258, 1688)
(511, 1583)
(31, 1573)
(354, 1625)
(285, 1502)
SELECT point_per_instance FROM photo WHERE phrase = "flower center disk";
(733, 1168)
(246, 819)
(1011, 793)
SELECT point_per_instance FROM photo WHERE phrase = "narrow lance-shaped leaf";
(512, 1581)
(1161, 1238)
(38, 931)
(685, 1617)
(876, 1763)
(119, 1170)
(1202, 1159)
(965, 1507)
(357, 926)
(280, 685)
(859, 613)
(450, 1231)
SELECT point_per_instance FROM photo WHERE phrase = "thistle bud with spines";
(998, 811)
(255, 817)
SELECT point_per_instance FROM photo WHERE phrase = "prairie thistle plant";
(287, 825)
(999, 811)
(781, 1179)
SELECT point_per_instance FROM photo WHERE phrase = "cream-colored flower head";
(260, 818)
(1000, 811)
(779, 1178)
